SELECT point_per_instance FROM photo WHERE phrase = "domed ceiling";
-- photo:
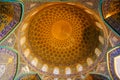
(60, 40)
(58, 35)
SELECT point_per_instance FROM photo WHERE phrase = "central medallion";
(61, 38)
(61, 30)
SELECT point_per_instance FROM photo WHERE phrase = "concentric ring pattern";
(61, 33)
(55, 37)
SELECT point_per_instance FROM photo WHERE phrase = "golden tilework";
(58, 36)
(111, 14)
(10, 16)
(6, 15)
(30, 77)
(55, 36)
(59, 40)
